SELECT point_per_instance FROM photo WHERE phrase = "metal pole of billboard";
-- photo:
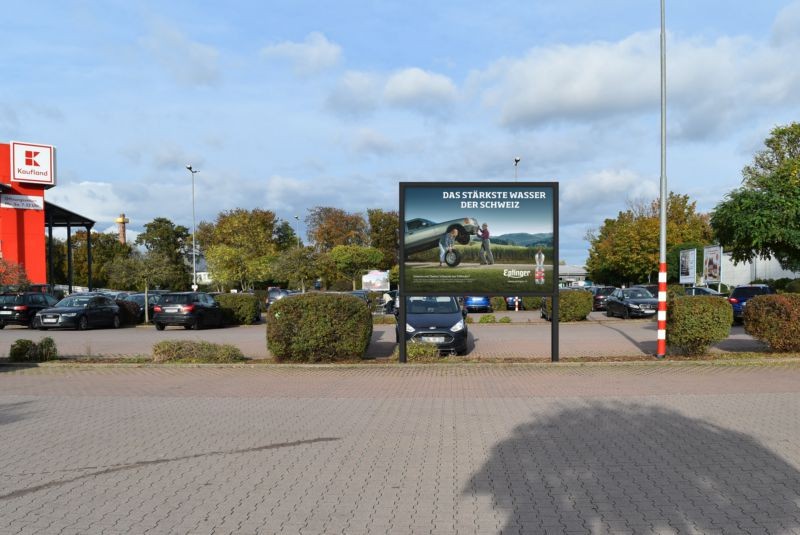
(554, 320)
(662, 260)
(194, 231)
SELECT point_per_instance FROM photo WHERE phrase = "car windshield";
(605, 291)
(75, 301)
(176, 299)
(11, 299)
(637, 293)
(432, 305)
(748, 292)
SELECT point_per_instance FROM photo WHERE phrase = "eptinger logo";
(33, 163)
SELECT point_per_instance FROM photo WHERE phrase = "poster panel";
(712, 264)
(375, 281)
(486, 238)
(688, 266)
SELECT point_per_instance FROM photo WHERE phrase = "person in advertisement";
(446, 243)
(486, 246)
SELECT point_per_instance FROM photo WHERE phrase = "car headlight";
(458, 326)
(633, 305)
(409, 328)
(69, 314)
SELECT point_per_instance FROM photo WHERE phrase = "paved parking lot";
(472, 449)
(527, 338)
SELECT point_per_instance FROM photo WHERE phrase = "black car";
(192, 310)
(19, 308)
(631, 302)
(436, 320)
(139, 299)
(79, 311)
(600, 294)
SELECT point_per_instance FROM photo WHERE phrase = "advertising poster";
(688, 266)
(478, 238)
(375, 281)
(712, 264)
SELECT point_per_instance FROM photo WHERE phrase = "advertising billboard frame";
(550, 291)
(689, 258)
(712, 253)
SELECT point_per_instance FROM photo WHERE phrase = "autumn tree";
(12, 274)
(762, 218)
(59, 260)
(329, 227)
(105, 249)
(171, 244)
(383, 235)
(299, 267)
(626, 249)
(352, 261)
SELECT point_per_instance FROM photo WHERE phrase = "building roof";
(61, 217)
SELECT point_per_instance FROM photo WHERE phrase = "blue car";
(478, 304)
(741, 294)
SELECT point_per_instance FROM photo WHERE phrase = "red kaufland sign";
(33, 163)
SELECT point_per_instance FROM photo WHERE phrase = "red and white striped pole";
(662, 310)
(662, 262)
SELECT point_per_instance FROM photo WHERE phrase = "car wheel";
(196, 325)
(452, 258)
(83, 323)
(160, 326)
(115, 323)
(626, 315)
(2, 325)
(35, 323)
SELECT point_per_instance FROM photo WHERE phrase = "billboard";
(688, 266)
(712, 264)
(375, 281)
(478, 238)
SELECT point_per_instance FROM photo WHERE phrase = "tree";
(762, 218)
(329, 227)
(626, 250)
(298, 266)
(169, 243)
(285, 237)
(105, 249)
(59, 260)
(12, 274)
(383, 235)
(351, 260)
(143, 271)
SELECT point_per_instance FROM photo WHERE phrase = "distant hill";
(544, 239)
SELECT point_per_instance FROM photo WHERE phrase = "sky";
(286, 105)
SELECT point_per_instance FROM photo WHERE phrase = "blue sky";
(293, 104)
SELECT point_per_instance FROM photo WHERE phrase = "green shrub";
(695, 323)
(128, 312)
(532, 303)
(774, 320)
(384, 319)
(29, 351)
(421, 352)
(673, 291)
(470, 319)
(793, 287)
(573, 305)
(498, 303)
(195, 351)
(239, 309)
(504, 319)
(318, 327)
(488, 318)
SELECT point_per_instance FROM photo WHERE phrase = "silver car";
(423, 234)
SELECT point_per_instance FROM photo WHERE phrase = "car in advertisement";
(423, 234)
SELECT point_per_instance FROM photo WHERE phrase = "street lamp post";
(297, 217)
(194, 231)
(516, 163)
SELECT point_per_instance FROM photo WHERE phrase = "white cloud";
(355, 93)
(421, 90)
(603, 193)
(188, 62)
(313, 55)
(784, 29)
(369, 141)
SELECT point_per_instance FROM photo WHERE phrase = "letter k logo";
(30, 158)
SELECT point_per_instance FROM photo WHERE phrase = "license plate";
(171, 310)
(49, 320)
(434, 339)
(5, 312)
(649, 311)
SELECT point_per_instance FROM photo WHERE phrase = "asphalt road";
(528, 337)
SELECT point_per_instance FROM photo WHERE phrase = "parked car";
(79, 311)
(19, 308)
(741, 294)
(631, 302)
(478, 304)
(702, 290)
(152, 301)
(192, 310)
(438, 320)
(274, 294)
(423, 234)
(652, 288)
(599, 296)
(512, 302)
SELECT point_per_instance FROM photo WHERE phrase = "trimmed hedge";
(793, 287)
(775, 320)
(532, 303)
(196, 352)
(318, 327)
(128, 312)
(421, 352)
(573, 305)
(488, 318)
(673, 291)
(239, 309)
(695, 323)
(498, 303)
(29, 351)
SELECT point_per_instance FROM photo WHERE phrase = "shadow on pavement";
(632, 468)
(650, 347)
(382, 343)
(12, 412)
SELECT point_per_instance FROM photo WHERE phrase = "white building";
(746, 272)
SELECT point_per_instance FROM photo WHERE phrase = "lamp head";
(189, 167)
(517, 160)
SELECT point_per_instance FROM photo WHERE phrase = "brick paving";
(657, 448)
